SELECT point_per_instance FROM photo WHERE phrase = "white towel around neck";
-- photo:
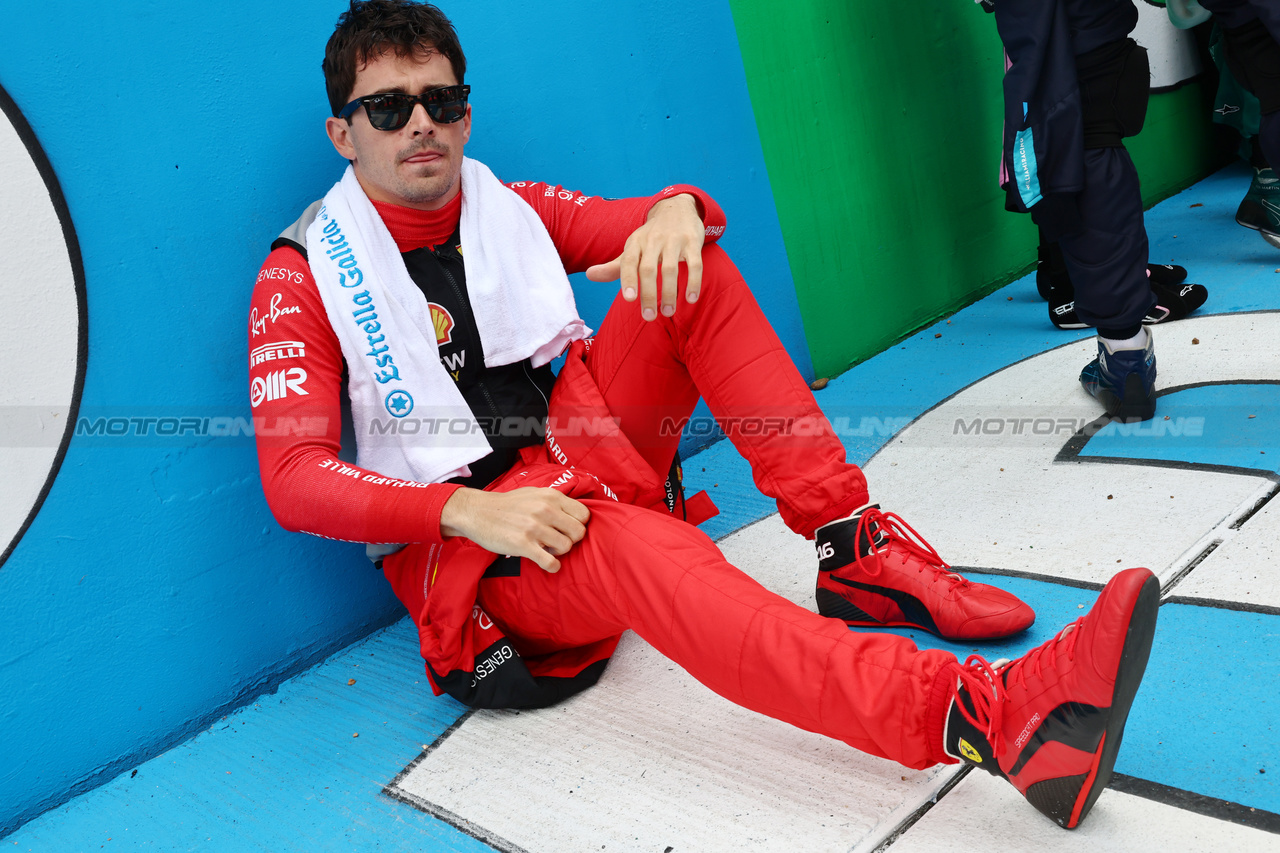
(411, 421)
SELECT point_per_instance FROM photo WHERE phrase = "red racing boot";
(1051, 721)
(875, 571)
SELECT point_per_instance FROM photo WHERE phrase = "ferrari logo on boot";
(970, 754)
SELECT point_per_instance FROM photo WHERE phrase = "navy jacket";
(1043, 126)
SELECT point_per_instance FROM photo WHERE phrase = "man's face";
(418, 165)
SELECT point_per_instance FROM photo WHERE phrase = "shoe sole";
(834, 606)
(1133, 664)
(1251, 208)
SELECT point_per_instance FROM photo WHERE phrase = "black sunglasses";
(392, 110)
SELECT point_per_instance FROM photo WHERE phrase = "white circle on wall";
(40, 326)
(1171, 52)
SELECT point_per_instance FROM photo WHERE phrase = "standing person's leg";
(1107, 259)
(1106, 252)
(722, 346)
(1251, 32)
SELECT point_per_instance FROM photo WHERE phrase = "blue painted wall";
(153, 590)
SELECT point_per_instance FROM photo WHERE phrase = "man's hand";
(673, 233)
(538, 524)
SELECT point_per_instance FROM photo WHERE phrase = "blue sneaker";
(1123, 381)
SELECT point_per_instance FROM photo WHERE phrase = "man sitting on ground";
(527, 519)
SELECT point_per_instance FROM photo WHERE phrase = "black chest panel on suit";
(509, 402)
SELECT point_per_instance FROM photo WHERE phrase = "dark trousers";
(1107, 257)
(1105, 246)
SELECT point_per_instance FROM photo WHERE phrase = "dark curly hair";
(370, 28)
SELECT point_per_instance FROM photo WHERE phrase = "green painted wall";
(880, 124)
(1178, 144)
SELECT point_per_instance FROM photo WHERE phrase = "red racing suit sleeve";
(295, 388)
(591, 230)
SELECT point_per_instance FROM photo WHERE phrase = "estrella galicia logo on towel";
(399, 403)
(442, 322)
(366, 314)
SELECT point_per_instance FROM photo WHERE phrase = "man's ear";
(340, 135)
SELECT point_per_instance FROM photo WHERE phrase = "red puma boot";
(1051, 721)
(874, 570)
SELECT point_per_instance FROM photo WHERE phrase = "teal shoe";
(1260, 209)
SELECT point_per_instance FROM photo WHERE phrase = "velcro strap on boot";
(836, 542)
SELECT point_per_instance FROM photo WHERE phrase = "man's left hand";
(673, 233)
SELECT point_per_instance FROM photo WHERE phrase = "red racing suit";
(500, 632)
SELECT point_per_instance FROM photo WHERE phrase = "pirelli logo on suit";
(278, 351)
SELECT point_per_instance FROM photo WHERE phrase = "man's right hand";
(538, 524)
